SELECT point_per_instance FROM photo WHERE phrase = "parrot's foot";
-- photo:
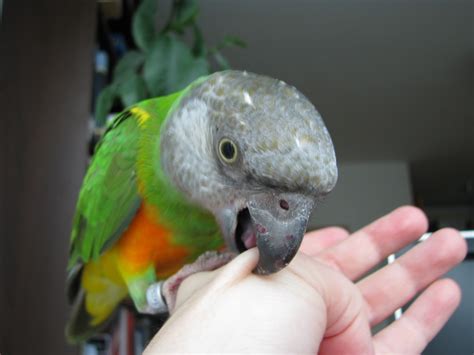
(161, 296)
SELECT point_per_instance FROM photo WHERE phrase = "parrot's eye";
(227, 150)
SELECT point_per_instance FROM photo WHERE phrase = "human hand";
(312, 304)
(398, 283)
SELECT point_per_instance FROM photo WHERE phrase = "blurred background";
(393, 80)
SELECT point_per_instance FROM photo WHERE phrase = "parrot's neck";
(191, 225)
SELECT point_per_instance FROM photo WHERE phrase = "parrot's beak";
(274, 223)
(279, 222)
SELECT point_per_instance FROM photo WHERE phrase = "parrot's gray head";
(255, 152)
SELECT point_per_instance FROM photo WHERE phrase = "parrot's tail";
(79, 327)
(94, 290)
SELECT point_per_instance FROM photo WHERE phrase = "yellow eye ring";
(227, 150)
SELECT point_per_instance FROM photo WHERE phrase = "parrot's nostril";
(284, 205)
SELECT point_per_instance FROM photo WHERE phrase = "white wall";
(364, 191)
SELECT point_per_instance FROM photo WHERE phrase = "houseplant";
(162, 62)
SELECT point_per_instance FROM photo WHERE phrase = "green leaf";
(221, 61)
(170, 66)
(186, 12)
(154, 69)
(132, 90)
(104, 103)
(128, 65)
(231, 41)
(143, 24)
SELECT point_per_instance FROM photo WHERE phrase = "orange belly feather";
(143, 244)
(146, 242)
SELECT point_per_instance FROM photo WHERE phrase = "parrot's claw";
(161, 296)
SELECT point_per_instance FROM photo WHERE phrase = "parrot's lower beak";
(274, 223)
(279, 222)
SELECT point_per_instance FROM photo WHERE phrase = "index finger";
(315, 242)
(370, 245)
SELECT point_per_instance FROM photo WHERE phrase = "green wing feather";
(109, 198)
(128, 158)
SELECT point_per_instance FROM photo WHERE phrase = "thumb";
(347, 327)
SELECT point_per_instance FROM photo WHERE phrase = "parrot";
(236, 160)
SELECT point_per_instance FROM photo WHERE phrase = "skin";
(316, 304)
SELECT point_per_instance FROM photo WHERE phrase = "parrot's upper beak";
(274, 223)
(280, 222)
